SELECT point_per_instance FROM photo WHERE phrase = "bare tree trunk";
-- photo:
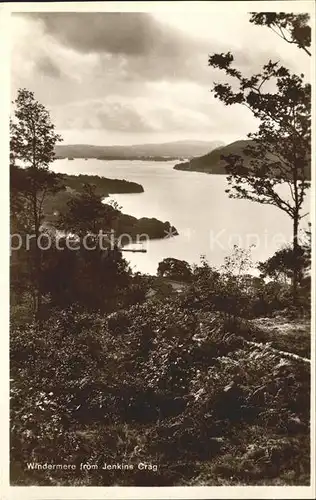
(37, 263)
(296, 248)
(38, 292)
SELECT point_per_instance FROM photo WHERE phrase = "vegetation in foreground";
(159, 384)
(185, 381)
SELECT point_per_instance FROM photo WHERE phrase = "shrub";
(155, 381)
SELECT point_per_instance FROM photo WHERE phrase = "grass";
(284, 334)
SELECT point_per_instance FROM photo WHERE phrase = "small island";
(104, 185)
(151, 227)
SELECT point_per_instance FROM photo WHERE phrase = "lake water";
(208, 222)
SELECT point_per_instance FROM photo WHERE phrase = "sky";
(132, 78)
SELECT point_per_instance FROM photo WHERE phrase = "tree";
(279, 152)
(293, 28)
(90, 269)
(32, 143)
(228, 289)
(238, 263)
(306, 245)
(87, 214)
(281, 265)
(236, 285)
(87, 276)
(174, 269)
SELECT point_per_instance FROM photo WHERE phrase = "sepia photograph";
(161, 227)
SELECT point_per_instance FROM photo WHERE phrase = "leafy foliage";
(87, 214)
(32, 135)
(293, 28)
(150, 383)
(280, 150)
(32, 142)
(281, 265)
(174, 269)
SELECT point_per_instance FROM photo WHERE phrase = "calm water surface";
(208, 222)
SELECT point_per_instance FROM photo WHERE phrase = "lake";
(209, 223)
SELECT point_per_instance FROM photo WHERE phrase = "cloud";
(185, 110)
(139, 73)
(135, 45)
(122, 117)
(48, 67)
(131, 34)
(103, 114)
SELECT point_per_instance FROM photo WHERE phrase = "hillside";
(212, 163)
(104, 185)
(74, 184)
(165, 151)
(186, 149)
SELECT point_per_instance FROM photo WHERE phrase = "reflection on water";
(208, 222)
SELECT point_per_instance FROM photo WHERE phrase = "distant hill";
(211, 163)
(164, 151)
(185, 149)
